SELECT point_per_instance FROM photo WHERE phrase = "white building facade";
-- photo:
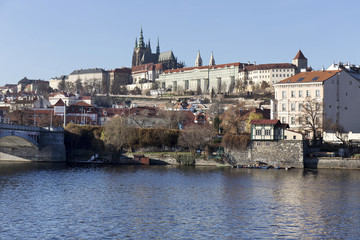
(220, 78)
(336, 93)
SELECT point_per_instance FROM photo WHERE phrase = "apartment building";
(335, 95)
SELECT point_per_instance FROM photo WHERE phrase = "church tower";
(212, 60)
(139, 50)
(198, 61)
(300, 61)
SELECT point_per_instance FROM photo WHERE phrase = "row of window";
(259, 132)
(300, 120)
(300, 93)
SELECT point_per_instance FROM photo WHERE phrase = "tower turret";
(300, 61)
(198, 61)
(212, 59)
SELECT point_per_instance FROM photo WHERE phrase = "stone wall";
(327, 162)
(275, 153)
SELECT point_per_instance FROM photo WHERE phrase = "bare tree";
(141, 119)
(196, 137)
(231, 121)
(312, 116)
(117, 134)
(62, 85)
(172, 118)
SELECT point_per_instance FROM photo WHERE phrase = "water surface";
(45, 201)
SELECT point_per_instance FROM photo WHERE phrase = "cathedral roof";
(165, 56)
(149, 57)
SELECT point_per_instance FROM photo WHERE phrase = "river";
(47, 201)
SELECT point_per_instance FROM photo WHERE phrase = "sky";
(41, 39)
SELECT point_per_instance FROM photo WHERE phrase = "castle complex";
(143, 55)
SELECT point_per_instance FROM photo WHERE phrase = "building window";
(292, 120)
(258, 132)
(258, 143)
(267, 144)
(317, 93)
(267, 132)
(300, 106)
(273, 75)
(186, 84)
(283, 107)
(292, 106)
(283, 119)
(300, 93)
(294, 137)
(300, 120)
(276, 75)
(308, 93)
(283, 94)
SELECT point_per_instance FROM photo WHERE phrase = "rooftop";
(306, 77)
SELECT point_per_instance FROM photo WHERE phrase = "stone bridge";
(30, 143)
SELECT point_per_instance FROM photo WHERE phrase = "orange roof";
(265, 121)
(316, 76)
(300, 55)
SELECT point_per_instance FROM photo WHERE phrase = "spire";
(198, 61)
(299, 55)
(158, 47)
(136, 44)
(141, 39)
(212, 60)
(148, 45)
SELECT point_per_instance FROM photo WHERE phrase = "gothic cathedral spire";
(158, 47)
(141, 39)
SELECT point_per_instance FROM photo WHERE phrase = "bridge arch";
(17, 139)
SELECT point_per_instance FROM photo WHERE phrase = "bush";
(233, 141)
(186, 159)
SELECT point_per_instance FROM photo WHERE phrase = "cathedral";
(143, 55)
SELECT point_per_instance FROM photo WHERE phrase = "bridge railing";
(30, 128)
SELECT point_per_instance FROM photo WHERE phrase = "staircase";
(228, 158)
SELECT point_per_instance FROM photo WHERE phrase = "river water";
(46, 201)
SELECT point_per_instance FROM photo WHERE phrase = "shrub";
(186, 159)
(233, 141)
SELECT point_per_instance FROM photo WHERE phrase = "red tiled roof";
(59, 103)
(306, 77)
(268, 66)
(265, 121)
(82, 104)
(146, 67)
(300, 55)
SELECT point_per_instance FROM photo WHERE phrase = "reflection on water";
(44, 201)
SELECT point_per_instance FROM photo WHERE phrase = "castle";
(143, 55)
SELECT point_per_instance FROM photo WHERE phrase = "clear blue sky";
(41, 39)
